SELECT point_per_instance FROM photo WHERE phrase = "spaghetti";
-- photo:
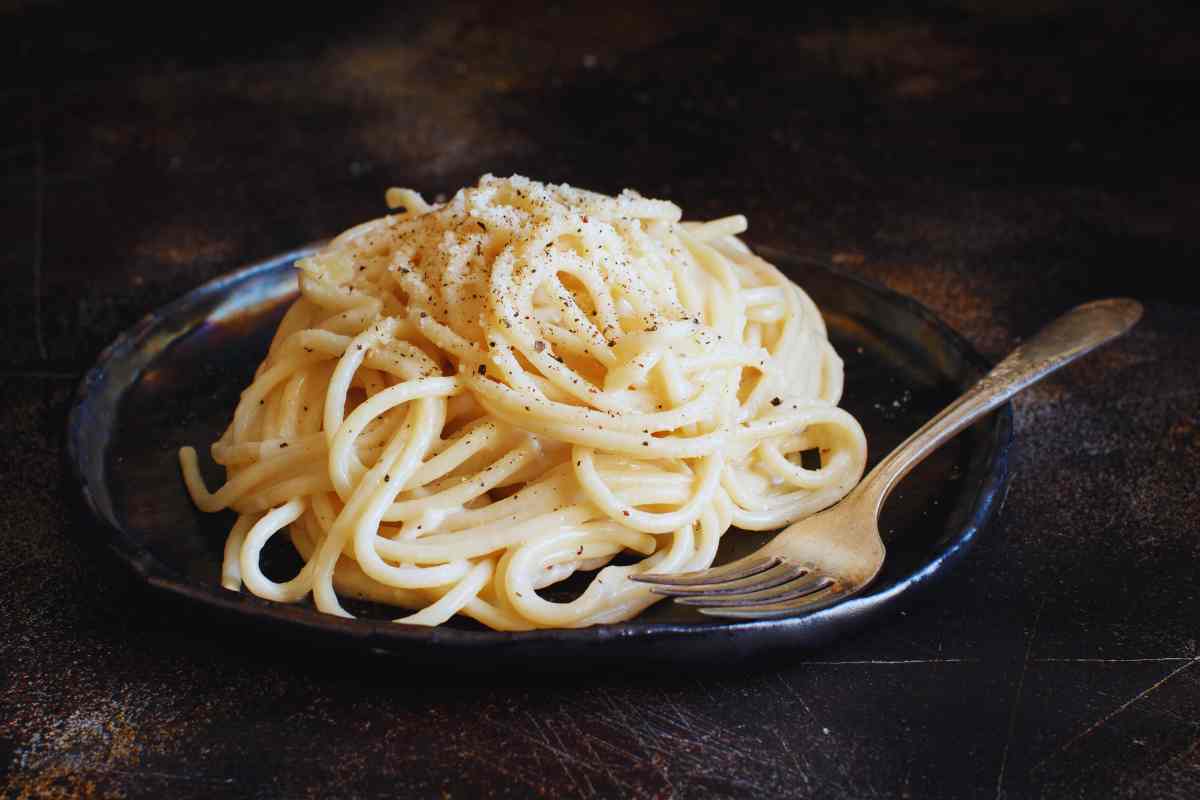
(471, 401)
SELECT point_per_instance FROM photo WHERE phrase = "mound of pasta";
(471, 401)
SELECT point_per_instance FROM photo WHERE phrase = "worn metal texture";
(998, 162)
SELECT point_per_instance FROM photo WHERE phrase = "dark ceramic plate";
(174, 379)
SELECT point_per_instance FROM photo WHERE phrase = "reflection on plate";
(174, 379)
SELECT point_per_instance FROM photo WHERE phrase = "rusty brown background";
(997, 161)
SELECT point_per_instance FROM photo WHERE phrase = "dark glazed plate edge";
(654, 641)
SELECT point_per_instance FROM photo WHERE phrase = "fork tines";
(754, 587)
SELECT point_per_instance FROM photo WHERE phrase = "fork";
(826, 558)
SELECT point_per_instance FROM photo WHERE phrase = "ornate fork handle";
(1072, 335)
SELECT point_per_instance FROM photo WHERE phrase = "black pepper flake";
(283, 444)
(423, 315)
(775, 401)
(481, 225)
(645, 444)
(483, 369)
(387, 478)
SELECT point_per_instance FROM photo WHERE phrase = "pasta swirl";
(471, 401)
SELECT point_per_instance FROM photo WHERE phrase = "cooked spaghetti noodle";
(471, 401)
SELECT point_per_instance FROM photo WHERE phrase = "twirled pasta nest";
(472, 401)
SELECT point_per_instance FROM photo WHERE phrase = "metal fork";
(832, 555)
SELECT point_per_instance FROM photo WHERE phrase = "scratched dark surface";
(998, 164)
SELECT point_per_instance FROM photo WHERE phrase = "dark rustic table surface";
(997, 164)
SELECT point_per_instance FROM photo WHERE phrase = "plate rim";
(385, 636)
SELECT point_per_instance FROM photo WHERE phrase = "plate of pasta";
(462, 426)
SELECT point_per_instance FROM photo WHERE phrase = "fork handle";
(1075, 333)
